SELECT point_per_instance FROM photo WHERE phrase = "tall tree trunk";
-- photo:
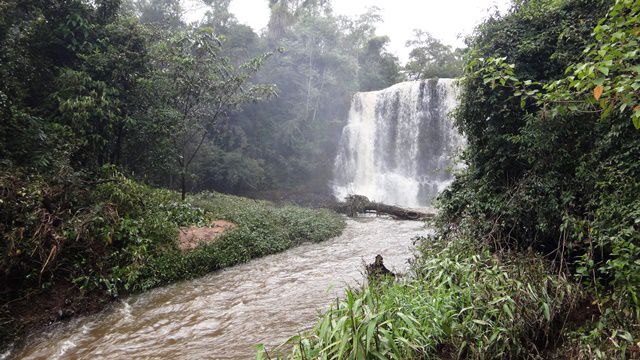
(183, 183)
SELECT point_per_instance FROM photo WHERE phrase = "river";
(225, 314)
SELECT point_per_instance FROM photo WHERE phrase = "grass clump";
(263, 229)
(462, 301)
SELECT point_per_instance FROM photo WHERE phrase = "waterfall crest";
(399, 143)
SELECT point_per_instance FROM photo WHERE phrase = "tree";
(164, 14)
(378, 68)
(609, 78)
(240, 42)
(316, 74)
(430, 58)
(285, 13)
(218, 16)
(200, 88)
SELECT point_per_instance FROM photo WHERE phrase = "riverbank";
(465, 299)
(461, 300)
(224, 314)
(120, 237)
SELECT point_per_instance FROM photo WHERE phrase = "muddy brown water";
(225, 314)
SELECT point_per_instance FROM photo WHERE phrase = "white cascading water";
(399, 143)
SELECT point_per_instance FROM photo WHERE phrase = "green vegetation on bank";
(553, 153)
(263, 229)
(72, 243)
(460, 302)
(535, 252)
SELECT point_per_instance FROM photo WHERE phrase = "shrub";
(461, 300)
(552, 160)
(112, 236)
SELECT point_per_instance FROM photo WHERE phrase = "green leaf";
(546, 312)
(626, 336)
(507, 309)
(260, 352)
(370, 328)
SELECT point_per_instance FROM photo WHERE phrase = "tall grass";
(461, 301)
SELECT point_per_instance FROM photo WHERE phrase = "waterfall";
(399, 143)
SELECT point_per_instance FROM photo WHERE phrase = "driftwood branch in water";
(358, 204)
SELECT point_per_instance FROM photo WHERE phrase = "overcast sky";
(447, 20)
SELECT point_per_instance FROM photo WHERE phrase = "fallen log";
(358, 204)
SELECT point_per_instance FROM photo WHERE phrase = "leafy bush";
(85, 231)
(462, 300)
(262, 229)
(113, 236)
(552, 160)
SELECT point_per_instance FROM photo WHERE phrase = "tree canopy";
(430, 58)
(130, 83)
(548, 106)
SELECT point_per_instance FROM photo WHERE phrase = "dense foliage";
(461, 302)
(430, 58)
(86, 85)
(552, 160)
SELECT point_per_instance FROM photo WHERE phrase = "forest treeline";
(105, 103)
(132, 85)
(536, 244)
(206, 105)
